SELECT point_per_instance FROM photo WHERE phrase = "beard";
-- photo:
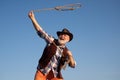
(62, 42)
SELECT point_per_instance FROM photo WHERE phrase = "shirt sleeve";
(45, 36)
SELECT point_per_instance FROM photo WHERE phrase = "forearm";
(34, 21)
(36, 25)
(71, 60)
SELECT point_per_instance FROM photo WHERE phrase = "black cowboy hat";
(65, 31)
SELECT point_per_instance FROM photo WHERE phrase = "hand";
(31, 15)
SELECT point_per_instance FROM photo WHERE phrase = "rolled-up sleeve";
(42, 34)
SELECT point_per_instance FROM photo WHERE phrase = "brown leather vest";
(48, 53)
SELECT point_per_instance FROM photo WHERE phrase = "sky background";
(95, 47)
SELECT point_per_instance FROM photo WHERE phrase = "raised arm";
(34, 21)
(38, 28)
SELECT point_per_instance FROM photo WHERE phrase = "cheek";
(68, 38)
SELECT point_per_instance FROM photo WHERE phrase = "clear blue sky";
(96, 43)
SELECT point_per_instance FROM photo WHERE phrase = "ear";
(69, 39)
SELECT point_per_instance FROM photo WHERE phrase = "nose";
(62, 35)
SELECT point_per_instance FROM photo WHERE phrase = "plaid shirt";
(53, 64)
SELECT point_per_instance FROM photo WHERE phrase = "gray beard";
(62, 42)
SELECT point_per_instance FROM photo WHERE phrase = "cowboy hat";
(65, 31)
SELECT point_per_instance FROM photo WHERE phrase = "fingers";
(31, 14)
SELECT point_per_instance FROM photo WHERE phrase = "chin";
(62, 42)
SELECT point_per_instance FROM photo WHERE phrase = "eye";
(66, 35)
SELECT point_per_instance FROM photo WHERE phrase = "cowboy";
(55, 54)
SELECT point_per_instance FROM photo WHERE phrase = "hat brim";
(70, 34)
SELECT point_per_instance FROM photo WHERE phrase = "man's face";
(63, 39)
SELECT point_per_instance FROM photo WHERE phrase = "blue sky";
(96, 43)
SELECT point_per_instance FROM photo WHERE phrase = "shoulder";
(67, 51)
